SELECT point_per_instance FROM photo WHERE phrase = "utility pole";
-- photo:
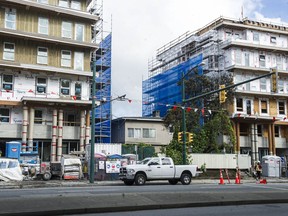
(183, 121)
(92, 145)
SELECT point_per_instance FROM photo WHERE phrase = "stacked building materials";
(71, 167)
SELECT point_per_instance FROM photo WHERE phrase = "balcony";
(54, 9)
(252, 45)
(46, 38)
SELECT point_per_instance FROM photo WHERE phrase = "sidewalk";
(86, 183)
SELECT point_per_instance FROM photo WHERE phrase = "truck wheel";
(128, 182)
(140, 179)
(46, 176)
(173, 181)
(185, 179)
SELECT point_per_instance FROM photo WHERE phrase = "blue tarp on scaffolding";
(161, 91)
(103, 92)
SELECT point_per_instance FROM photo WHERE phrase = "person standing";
(258, 169)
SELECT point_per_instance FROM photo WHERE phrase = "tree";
(217, 121)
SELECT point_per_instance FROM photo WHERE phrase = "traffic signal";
(190, 137)
(180, 136)
(274, 80)
(222, 94)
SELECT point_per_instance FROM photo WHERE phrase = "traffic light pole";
(183, 121)
(227, 87)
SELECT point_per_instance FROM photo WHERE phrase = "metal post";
(183, 121)
(92, 145)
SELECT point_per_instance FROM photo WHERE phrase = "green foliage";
(217, 123)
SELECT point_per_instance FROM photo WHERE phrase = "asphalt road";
(255, 210)
(115, 198)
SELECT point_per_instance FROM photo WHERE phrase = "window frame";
(44, 57)
(38, 120)
(242, 107)
(5, 116)
(77, 64)
(263, 101)
(75, 2)
(7, 83)
(65, 88)
(78, 94)
(39, 84)
(67, 32)
(63, 3)
(6, 51)
(10, 11)
(68, 60)
(40, 26)
(283, 111)
(76, 32)
(151, 133)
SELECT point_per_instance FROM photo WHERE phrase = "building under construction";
(45, 74)
(246, 49)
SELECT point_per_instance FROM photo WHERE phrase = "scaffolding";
(161, 90)
(102, 57)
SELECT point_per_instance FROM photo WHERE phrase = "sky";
(140, 27)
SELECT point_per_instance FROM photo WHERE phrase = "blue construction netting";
(103, 92)
(162, 91)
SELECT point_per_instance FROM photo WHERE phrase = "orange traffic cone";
(221, 178)
(237, 179)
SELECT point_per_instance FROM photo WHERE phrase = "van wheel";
(173, 181)
(140, 179)
(128, 182)
(46, 176)
(185, 179)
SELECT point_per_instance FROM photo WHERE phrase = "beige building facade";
(45, 74)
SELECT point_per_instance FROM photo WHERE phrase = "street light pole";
(92, 145)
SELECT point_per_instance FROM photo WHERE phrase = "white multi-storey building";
(247, 49)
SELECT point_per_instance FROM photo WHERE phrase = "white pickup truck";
(157, 168)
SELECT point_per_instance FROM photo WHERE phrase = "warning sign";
(113, 166)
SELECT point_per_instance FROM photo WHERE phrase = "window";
(244, 129)
(247, 59)
(43, 25)
(42, 55)
(66, 29)
(41, 85)
(38, 115)
(248, 107)
(10, 18)
(79, 61)
(264, 106)
(281, 108)
(65, 58)
(273, 39)
(79, 32)
(279, 62)
(9, 51)
(239, 104)
(63, 3)
(7, 82)
(149, 133)
(280, 86)
(154, 162)
(262, 60)
(277, 130)
(134, 132)
(4, 115)
(78, 90)
(65, 87)
(43, 1)
(255, 36)
(263, 84)
(76, 4)
(238, 59)
(166, 161)
(259, 130)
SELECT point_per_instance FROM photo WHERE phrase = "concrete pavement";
(86, 183)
